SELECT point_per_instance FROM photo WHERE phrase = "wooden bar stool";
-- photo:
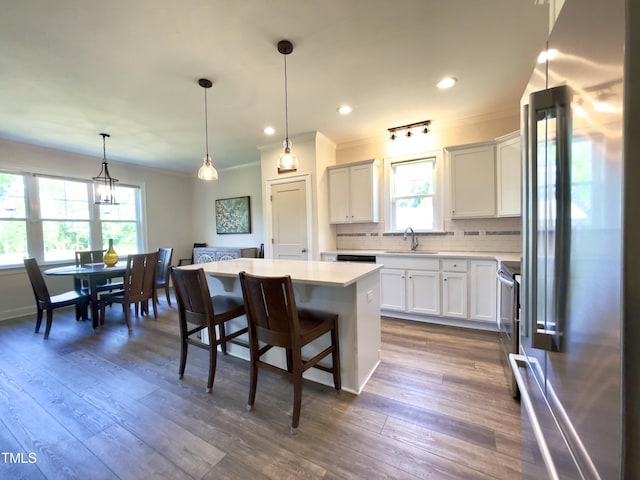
(275, 321)
(198, 310)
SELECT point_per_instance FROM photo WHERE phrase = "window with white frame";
(13, 218)
(51, 217)
(413, 194)
(65, 216)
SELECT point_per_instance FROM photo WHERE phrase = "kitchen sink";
(413, 252)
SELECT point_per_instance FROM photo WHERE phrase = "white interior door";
(289, 220)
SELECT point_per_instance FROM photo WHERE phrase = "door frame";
(268, 211)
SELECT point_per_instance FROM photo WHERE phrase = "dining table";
(95, 274)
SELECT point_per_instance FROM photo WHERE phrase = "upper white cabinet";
(473, 180)
(508, 175)
(353, 192)
(485, 178)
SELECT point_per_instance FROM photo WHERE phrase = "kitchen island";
(351, 290)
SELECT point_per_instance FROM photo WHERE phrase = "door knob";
(304, 250)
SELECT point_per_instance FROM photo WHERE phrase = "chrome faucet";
(414, 240)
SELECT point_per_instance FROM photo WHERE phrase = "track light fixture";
(409, 132)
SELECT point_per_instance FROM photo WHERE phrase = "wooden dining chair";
(85, 257)
(275, 321)
(199, 311)
(163, 272)
(48, 303)
(139, 286)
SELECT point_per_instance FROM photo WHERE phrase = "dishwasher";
(351, 257)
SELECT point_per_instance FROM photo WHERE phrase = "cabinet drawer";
(454, 265)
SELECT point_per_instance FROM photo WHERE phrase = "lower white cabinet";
(414, 291)
(392, 288)
(410, 284)
(423, 292)
(483, 290)
(454, 288)
(449, 287)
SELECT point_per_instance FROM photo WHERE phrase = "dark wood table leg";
(93, 288)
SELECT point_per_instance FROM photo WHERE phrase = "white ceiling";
(70, 69)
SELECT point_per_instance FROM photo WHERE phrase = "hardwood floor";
(110, 405)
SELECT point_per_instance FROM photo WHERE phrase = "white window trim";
(438, 199)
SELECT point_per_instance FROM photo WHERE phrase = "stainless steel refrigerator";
(577, 370)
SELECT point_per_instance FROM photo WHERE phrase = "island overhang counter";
(352, 290)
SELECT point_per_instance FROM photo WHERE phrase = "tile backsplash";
(472, 235)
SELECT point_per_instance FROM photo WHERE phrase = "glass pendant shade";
(287, 162)
(104, 185)
(207, 171)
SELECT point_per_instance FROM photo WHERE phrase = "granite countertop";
(498, 256)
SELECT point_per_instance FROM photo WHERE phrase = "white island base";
(351, 290)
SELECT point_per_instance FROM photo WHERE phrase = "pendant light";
(287, 162)
(104, 185)
(207, 171)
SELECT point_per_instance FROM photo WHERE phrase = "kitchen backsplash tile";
(479, 235)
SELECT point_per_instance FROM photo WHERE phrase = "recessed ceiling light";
(269, 130)
(345, 110)
(447, 82)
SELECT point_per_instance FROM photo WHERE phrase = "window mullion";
(35, 236)
(95, 226)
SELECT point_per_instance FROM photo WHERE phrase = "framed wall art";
(233, 215)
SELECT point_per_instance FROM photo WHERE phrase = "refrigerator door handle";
(516, 362)
(553, 103)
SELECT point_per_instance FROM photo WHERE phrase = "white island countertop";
(334, 274)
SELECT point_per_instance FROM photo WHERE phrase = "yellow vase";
(111, 257)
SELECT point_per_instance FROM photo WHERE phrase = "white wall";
(238, 182)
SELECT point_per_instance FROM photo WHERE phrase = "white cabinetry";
(457, 288)
(473, 180)
(410, 284)
(508, 175)
(353, 192)
(392, 288)
(423, 292)
(483, 290)
(454, 288)
(485, 178)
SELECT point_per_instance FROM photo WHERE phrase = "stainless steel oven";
(508, 315)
